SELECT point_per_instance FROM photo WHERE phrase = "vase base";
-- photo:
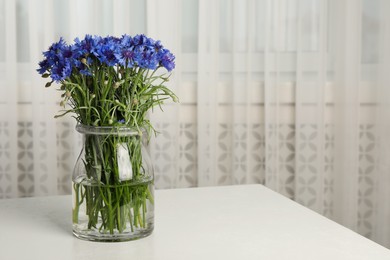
(118, 237)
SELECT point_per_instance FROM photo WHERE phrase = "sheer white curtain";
(292, 94)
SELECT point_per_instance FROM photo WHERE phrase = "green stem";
(113, 205)
(76, 188)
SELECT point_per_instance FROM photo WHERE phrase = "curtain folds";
(292, 94)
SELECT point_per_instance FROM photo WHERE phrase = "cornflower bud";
(84, 61)
(110, 122)
(116, 85)
(62, 103)
(67, 93)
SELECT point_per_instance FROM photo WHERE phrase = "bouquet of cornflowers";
(109, 81)
(116, 72)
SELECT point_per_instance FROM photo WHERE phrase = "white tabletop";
(232, 222)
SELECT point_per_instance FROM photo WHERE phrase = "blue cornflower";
(105, 49)
(126, 41)
(85, 46)
(167, 59)
(149, 59)
(139, 58)
(145, 57)
(158, 46)
(55, 48)
(110, 40)
(43, 66)
(106, 54)
(58, 61)
(61, 71)
(66, 52)
(141, 39)
(53, 54)
(125, 56)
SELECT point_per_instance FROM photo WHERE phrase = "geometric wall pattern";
(175, 160)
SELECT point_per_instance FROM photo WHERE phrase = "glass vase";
(113, 185)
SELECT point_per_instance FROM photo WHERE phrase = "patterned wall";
(176, 159)
(5, 165)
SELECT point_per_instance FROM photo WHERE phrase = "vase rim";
(110, 130)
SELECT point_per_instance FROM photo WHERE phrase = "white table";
(233, 222)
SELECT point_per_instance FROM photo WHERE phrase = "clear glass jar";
(113, 185)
